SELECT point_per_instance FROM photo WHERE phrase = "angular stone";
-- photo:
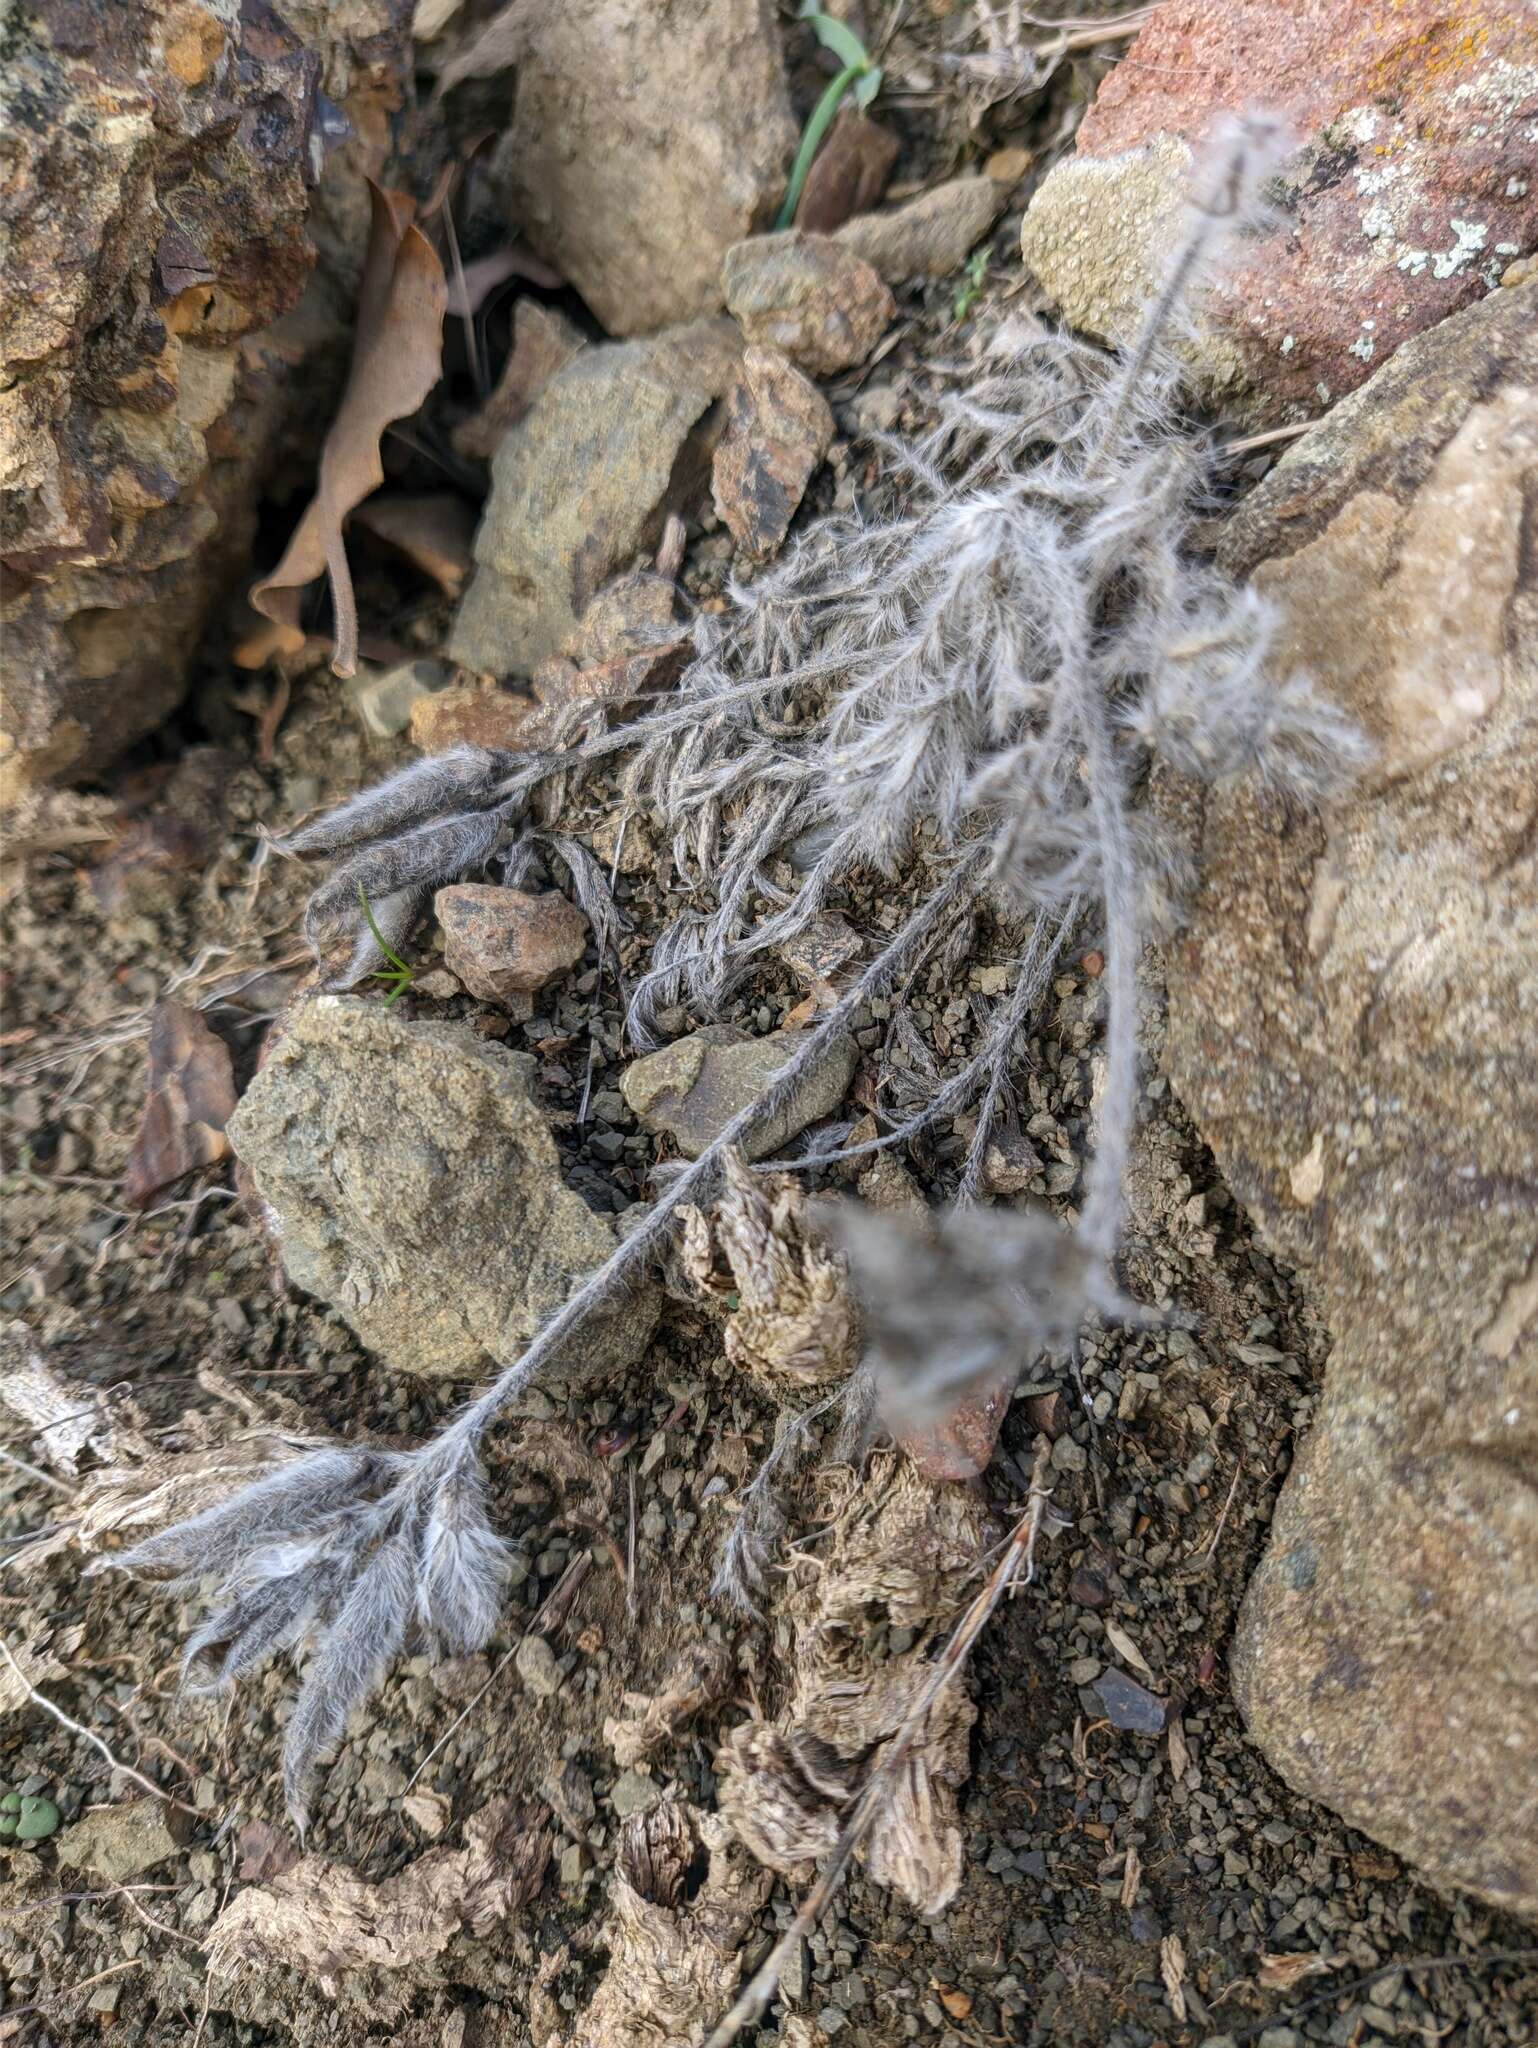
(618, 438)
(693, 1088)
(809, 296)
(463, 715)
(1410, 188)
(507, 942)
(413, 1184)
(544, 341)
(848, 174)
(778, 429)
(929, 236)
(1353, 1011)
(1129, 1705)
(642, 142)
(121, 1842)
(537, 1667)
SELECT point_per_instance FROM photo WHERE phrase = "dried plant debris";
(319, 1917)
(397, 356)
(972, 686)
(41, 1659)
(71, 1420)
(190, 1099)
(697, 1678)
(793, 1318)
(674, 1939)
(901, 1552)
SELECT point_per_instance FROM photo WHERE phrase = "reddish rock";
(808, 295)
(1411, 189)
(962, 1445)
(507, 942)
(465, 716)
(778, 429)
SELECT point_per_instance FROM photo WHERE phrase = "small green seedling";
(857, 76)
(971, 285)
(397, 974)
(27, 1819)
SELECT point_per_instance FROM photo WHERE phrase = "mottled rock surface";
(1353, 1013)
(155, 230)
(413, 1184)
(617, 438)
(693, 1088)
(1410, 190)
(508, 942)
(643, 141)
(778, 429)
(809, 296)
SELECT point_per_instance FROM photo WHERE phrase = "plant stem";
(811, 140)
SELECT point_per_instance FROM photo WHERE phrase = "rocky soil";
(1251, 1759)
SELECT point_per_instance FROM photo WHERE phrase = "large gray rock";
(643, 142)
(619, 437)
(413, 1184)
(1353, 1018)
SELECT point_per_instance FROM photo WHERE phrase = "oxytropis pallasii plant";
(973, 684)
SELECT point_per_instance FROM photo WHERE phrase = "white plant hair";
(984, 673)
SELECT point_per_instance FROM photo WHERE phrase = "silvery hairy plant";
(970, 686)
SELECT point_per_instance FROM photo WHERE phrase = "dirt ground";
(1121, 1889)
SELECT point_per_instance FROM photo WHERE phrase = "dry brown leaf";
(475, 282)
(434, 532)
(1131, 1878)
(264, 1851)
(191, 1098)
(1172, 1968)
(1124, 1646)
(396, 360)
(1281, 1973)
(323, 1919)
(1180, 1755)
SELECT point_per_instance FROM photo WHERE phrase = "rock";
(385, 700)
(620, 436)
(691, 1090)
(121, 1842)
(929, 236)
(1352, 1017)
(635, 614)
(848, 173)
(1129, 1705)
(1411, 189)
(154, 235)
(633, 1792)
(808, 295)
(778, 429)
(507, 942)
(464, 715)
(544, 341)
(536, 1665)
(413, 1184)
(641, 144)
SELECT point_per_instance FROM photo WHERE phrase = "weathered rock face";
(153, 205)
(1353, 1014)
(808, 295)
(508, 942)
(1410, 192)
(617, 438)
(414, 1185)
(931, 235)
(643, 142)
(691, 1089)
(779, 428)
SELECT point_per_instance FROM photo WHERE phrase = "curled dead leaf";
(433, 530)
(396, 360)
(1281, 1973)
(191, 1098)
(696, 1678)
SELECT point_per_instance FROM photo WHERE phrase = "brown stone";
(691, 1089)
(1410, 188)
(1353, 1011)
(809, 296)
(778, 429)
(848, 173)
(462, 716)
(543, 342)
(931, 235)
(507, 942)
